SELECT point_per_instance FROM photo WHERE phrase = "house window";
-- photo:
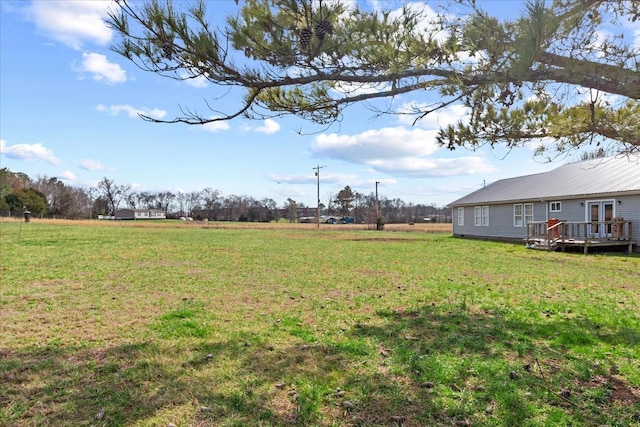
(485, 216)
(528, 213)
(522, 214)
(481, 216)
(460, 216)
(518, 219)
(555, 206)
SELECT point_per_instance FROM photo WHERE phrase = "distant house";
(140, 214)
(586, 204)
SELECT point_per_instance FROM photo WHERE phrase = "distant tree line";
(51, 198)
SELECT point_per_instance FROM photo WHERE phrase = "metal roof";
(591, 177)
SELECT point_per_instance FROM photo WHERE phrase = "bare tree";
(211, 202)
(112, 193)
(192, 202)
(163, 200)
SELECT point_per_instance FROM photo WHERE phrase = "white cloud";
(423, 167)
(132, 112)
(397, 151)
(100, 68)
(91, 165)
(66, 176)
(428, 24)
(72, 22)
(216, 126)
(269, 127)
(599, 40)
(435, 120)
(398, 142)
(28, 152)
(198, 82)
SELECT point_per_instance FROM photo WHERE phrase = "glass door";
(598, 212)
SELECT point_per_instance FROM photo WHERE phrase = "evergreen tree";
(548, 75)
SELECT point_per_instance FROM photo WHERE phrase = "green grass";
(277, 327)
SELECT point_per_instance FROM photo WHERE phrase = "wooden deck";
(552, 235)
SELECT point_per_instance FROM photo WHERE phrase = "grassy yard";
(193, 325)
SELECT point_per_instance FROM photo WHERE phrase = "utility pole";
(377, 205)
(90, 191)
(317, 169)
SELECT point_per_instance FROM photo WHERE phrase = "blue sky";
(69, 110)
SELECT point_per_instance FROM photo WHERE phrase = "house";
(589, 203)
(140, 214)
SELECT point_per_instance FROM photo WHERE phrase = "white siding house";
(580, 194)
(140, 214)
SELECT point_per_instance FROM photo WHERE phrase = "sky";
(69, 109)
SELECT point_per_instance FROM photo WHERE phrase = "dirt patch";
(618, 389)
(284, 407)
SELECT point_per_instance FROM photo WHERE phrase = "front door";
(598, 212)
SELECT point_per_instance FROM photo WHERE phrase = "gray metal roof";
(573, 180)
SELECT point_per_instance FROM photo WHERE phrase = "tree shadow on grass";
(433, 367)
(429, 366)
(520, 370)
(120, 385)
(66, 385)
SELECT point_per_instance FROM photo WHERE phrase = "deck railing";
(586, 232)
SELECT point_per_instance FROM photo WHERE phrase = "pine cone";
(323, 28)
(167, 50)
(305, 38)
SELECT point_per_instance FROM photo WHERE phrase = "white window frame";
(481, 216)
(527, 211)
(461, 217)
(485, 216)
(518, 217)
(555, 206)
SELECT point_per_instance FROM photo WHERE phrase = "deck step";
(541, 244)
